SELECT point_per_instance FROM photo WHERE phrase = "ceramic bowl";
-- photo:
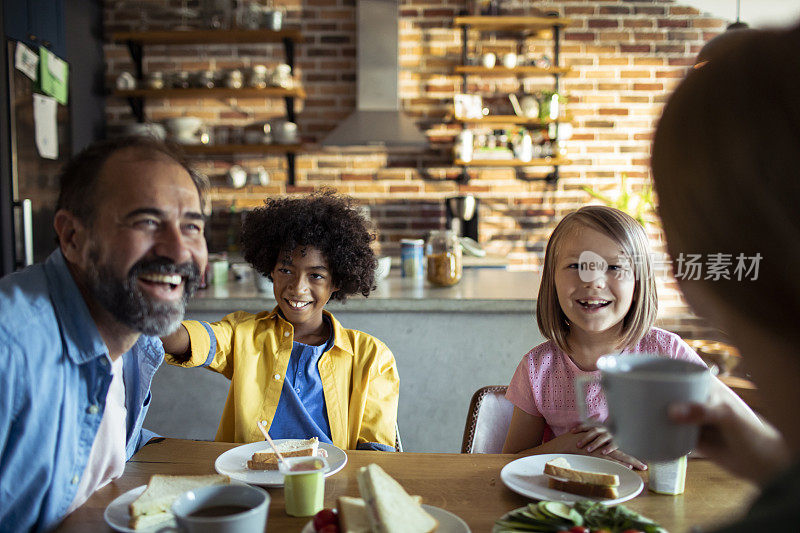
(384, 265)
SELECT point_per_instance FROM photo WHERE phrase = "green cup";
(303, 484)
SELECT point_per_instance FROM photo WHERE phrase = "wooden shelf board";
(217, 92)
(242, 148)
(511, 23)
(506, 119)
(549, 161)
(207, 36)
(516, 71)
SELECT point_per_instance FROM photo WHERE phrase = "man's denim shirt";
(54, 376)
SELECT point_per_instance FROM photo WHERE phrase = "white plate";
(526, 476)
(233, 463)
(118, 517)
(448, 522)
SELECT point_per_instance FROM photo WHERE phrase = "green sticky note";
(53, 75)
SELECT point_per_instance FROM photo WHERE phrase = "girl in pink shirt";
(597, 296)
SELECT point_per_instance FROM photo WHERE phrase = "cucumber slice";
(556, 510)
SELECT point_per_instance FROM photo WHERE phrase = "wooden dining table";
(467, 485)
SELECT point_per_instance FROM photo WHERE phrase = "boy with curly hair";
(296, 367)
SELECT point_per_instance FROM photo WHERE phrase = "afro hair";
(327, 221)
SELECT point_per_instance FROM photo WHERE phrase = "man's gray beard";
(130, 306)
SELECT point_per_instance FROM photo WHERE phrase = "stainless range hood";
(377, 120)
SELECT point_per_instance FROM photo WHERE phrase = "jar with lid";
(444, 258)
(181, 80)
(155, 80)
(258, 77)
(206, 79)
(234, 79)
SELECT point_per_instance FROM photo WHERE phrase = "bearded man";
(79, 333)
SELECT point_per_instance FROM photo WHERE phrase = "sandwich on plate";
(561, 476)
(390, 509)
(152, 507)
(268, 460)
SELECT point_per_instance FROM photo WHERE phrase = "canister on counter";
(411, 258)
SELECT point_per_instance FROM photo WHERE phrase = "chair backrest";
(487, 421)
(398, 444)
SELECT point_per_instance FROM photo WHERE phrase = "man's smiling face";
(302, 284)
(144, 250)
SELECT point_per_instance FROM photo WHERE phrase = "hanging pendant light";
(722, 42)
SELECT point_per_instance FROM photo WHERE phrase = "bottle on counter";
(411, 254)
(444, 258)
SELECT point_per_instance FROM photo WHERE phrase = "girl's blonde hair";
(631, 236)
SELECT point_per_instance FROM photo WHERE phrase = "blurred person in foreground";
(79, 333)
(725, 168)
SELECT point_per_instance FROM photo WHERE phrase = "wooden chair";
(487, 421)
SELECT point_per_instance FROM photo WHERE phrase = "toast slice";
(153, 505)
(296, 448)
(560, 468)
(390, 509)
(561, 476)
(584, 489)
(353, 516)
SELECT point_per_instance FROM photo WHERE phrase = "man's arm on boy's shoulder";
(379, 422)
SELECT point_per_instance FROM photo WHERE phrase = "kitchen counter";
(482, 290)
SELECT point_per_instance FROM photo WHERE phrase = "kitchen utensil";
(283, 131)
(185, 130)
(260, 425)
(488, 60)
(529, 105)
(237, 177)
(510, 60)
(515, 104)
(126, 82)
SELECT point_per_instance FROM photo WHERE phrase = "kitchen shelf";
(136, 41)
(546, 161)
(505, 71)
(506, 119)
(216, 92)
(545, 27)
(494, 23)
(242, 148)
(207, 36)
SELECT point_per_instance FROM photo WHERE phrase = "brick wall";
(626, 56)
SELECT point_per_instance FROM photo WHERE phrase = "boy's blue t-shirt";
(301, 411)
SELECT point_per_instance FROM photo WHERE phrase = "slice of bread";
(146, 521)
(583, 489)
(353, 517)
(267, 460)
(560, 468)
(162, 491)
(390, 508)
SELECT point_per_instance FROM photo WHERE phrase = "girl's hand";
(597, 442)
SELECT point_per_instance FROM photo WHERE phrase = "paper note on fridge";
(26, 61)
(44, 118)
(54, 73)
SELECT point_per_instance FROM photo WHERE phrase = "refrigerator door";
(34, 178)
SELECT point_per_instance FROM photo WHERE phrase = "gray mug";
(194, 510)
(639, 389)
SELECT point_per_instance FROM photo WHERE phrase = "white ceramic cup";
(488, 60)
(639, 389)
(253, 499)
(510, 60)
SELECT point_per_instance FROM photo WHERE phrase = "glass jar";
(155, 80)
(444, 258)
(234, 79)
(258, 77)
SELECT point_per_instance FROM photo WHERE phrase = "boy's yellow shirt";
(359, 376)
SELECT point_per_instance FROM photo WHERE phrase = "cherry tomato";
(330, 528)
(325, 517)
(579, 529)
